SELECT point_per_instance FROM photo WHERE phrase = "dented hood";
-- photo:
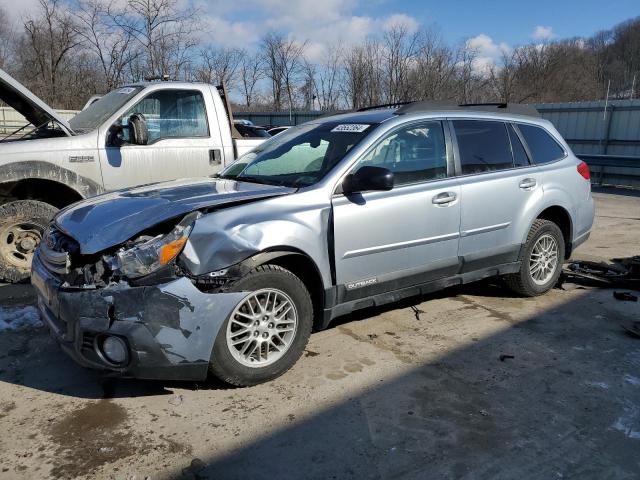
(110, 219)
(14, 94)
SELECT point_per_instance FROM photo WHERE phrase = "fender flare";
(34, 169)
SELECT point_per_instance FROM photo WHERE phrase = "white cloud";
(320, 22)
(17, 11)
(543, 33)
(488, 53)
(401, 20)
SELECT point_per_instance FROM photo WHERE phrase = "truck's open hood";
(110, 219)
(31, 107)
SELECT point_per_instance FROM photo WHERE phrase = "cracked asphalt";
(471, 382)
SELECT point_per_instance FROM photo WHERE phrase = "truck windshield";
(300, 156)
(96, 113)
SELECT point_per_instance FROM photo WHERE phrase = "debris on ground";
(505, 357)
(416, 312)
(632, 328)
(176, 400)
(621, 272)
(625, 296)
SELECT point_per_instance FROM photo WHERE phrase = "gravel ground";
(470, 382)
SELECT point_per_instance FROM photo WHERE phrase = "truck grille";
(55, 251)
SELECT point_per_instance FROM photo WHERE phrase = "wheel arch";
(300, 264)
(562, 218)
(47, 182)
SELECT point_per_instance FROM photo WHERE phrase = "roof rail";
(384, 105)
(498, 107)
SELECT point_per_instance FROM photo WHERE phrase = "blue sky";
(489, 26)
(512, 21)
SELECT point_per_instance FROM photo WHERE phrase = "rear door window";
(483, 145)
(542, 146)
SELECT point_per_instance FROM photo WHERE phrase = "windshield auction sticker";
(126, 90)
(351, 127)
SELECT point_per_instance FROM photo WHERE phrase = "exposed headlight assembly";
(151, 254)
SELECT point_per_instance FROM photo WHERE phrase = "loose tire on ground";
(22, 224)
(523, 282)
(225, 363)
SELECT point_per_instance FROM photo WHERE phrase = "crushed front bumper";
(169, 328)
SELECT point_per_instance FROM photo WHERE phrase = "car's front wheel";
(542, 258)
(267, 331)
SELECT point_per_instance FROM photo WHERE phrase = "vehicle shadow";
(33, 359)
(554, 395)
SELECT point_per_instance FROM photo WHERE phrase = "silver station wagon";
(229, 275)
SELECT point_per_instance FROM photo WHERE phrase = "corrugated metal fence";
(11, 120)
(586, 126)
(592, 130)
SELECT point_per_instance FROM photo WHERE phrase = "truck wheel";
(22, 224)
(541, 259)
(267, 331)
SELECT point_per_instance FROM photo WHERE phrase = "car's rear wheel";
(22, 225)
(541, 260)
(267, 331)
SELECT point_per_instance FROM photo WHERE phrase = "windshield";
(299, 157)
(95, 114)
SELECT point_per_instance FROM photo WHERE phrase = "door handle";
(215, 157)
(528, 183)
(444, 198)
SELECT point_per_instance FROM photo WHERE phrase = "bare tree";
(435, 67)
(251, 72)
(163, 30)
(327, 78)
(7, 38)
(400, 47)
(283, 63)
(111, 45)
(219, 65)
(51, 36)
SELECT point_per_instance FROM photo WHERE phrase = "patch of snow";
(19, 318)
(629, 423)
(632, 380)
(602, 385)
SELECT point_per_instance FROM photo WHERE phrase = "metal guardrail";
(616, 170)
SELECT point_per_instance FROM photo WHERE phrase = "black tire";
(225, 367)
(522, 281)
(15, 261)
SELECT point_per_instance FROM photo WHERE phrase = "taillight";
(583, 169)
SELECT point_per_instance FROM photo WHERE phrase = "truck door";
(181, 143)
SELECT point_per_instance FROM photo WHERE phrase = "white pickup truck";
(138, 134)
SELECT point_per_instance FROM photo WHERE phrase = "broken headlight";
(149, 254)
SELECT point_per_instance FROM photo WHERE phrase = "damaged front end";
(131, 309)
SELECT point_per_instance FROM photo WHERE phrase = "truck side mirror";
(368, 178)
(138, 130)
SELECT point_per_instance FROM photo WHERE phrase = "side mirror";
(368, 178)
(138, 130)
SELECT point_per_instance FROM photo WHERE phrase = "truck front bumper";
(169, 329)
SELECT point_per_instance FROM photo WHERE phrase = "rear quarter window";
(542, 146)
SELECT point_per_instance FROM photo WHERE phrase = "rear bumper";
(169, 329)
